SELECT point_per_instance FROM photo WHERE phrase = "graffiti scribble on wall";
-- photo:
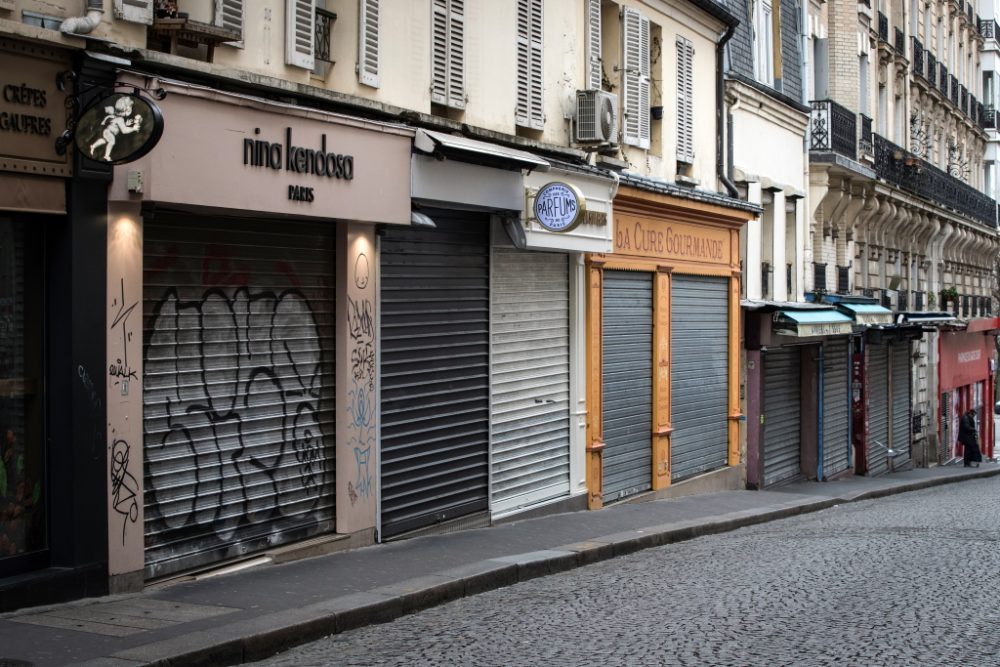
(124, 486)
(361, 395)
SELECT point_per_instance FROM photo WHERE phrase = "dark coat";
(969, 437)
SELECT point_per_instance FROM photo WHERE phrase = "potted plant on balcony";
(949, 294)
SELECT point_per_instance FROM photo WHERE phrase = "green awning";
(811, 323)
(867, 314)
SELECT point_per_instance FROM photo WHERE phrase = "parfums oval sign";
(559, 207)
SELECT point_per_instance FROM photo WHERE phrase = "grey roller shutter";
(238, 389)
(699, 378)
(901, 404)
(782, 391)
(878, 409)
(836, 435)
(435, 398)
(529, 378)
(627, 383)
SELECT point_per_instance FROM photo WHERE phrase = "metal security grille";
(529, 378)
(878, 409)
(238, 387)
(699, 378)
(627, 383)
(901, 404)
(435, 402)
(836, 435)
(782, 392)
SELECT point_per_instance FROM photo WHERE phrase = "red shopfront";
(966, 370)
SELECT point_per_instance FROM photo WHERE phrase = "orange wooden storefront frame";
(663, 235)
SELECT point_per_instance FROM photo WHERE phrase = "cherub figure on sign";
(117, 120)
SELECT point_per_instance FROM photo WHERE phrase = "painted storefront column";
(357, 450)
(755, 239)
(124, 398)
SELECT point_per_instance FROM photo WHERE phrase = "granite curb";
(264, 636)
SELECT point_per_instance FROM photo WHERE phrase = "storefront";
(663, 344)
(797, 388)
(249, 248)
(967, 369)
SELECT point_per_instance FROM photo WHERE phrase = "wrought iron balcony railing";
(989, 118)
(943, 79)
(954, 90)
(883, 27)
(324, 29)
(833, 127)
(918, 58)
(963, 100)
(900, 42)
(865, 140)
(895, 165)
(989, 29)
(932, 69)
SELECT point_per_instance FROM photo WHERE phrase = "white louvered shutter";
(530, 85)
(448, 54)
(134, 11)
(635, 82)
(368, 39)
(593, 44)
(685, 100)
(300, 33)
(229, 15)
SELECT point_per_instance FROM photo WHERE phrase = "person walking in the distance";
(968, 435)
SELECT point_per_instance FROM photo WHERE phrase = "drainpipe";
(720, 104)
(82, 25)
(820, 449)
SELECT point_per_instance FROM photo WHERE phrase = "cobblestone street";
(905, 580)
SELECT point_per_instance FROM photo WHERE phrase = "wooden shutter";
(448, 55)
(529, 111)
(635, 81)
(229, 15)
(300, 33)
(368, 51)
(594, 44)
(685, 100)
(135, 11)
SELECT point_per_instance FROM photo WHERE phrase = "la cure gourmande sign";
(297, 160)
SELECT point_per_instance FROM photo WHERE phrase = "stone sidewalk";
(251, 614)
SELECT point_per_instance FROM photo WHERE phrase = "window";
(635, 78)
(594, 71)
(448, 54)
(685, 100)
(135, 11)
(529, 110)
(763, 42)
(300, 33)
(229, 15)
(368, 37)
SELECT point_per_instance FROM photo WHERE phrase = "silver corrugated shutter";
(699, 376)
(901, 403)
(238, 391)
(529, 378)
(435, 310)
(836, 436)
(782, 392)
(627, 383)
(878, 408)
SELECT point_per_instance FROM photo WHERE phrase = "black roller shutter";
(901, 404)
(435, 342)
(878, 409)
(238, 387)
(782, 391)
(627, 383)
(836, 408)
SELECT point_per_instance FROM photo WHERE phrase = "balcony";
(954, 90)
(324, 28)
(963, 99)
(943, 79)
(900, 42)
(833, 127)
(883, 27)
(932, 69)
(905, 170)
(918, 58)
(988, 120)
(865, 140)
(989, 29)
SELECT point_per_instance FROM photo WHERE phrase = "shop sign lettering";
(970, 356)
(559, 207)
(24, 117)
(297, 160)
(643, 239)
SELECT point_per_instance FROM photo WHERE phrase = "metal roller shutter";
(782, 391)
(878, 409)
(530, 378)
(901, 404)
(627, 383)
(435, 402)
(699, 377)
(238, 389)
(836, 436)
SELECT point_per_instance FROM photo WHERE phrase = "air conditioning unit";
(596, 117)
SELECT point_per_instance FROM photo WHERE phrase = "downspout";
(720, 104)
(820, 449)
(82, 25)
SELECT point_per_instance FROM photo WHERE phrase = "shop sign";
(119, 128)
(297, 160)
(32, 112)
(560, 207)
(671, 240)
(804, 329)
(965, 359)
